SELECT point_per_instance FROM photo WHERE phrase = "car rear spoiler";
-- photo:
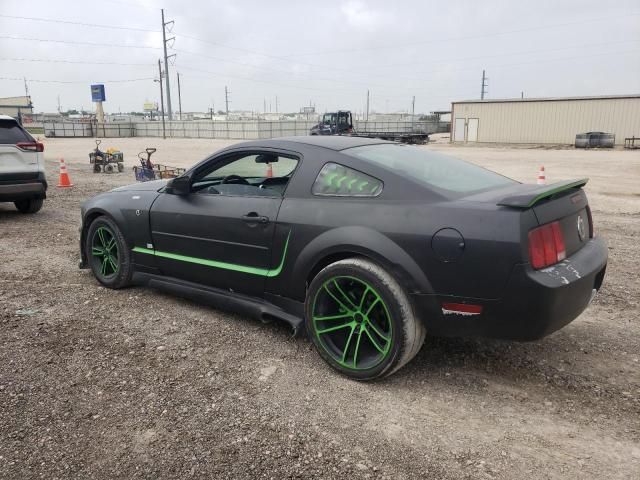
(532, 194)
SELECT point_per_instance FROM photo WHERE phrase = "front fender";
(129, 209)
(358, 240)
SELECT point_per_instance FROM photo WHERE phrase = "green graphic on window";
(338, 180)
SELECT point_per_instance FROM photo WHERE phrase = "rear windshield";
(445, 174)
(11, 133)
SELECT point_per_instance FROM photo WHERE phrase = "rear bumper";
(23, 188)
(536, 303)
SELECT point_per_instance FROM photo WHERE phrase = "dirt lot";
(127, 384)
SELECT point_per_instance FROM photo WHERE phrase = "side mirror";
(179, 186)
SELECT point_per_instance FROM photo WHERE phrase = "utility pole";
(179, 97)
(226, 99)
(164, 135)
(413, 112)
(276, 104)
(264, 109)
(26, 87)
(166, 59)
(484, 85)
(59, 108)
(367, 118)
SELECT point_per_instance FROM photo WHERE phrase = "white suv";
(22, 179)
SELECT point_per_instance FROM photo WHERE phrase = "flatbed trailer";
(341, 123)
(403, 137)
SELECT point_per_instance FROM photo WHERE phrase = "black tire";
(112, 268)
(109, 168)
(31, 205)
(355, 300)
(96, 168)
(120, 167)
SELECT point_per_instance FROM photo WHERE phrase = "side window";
(254, 174)
(337, 180)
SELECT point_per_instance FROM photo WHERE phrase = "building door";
(472, 130)
(458, 131)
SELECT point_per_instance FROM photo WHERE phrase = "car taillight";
(546, 245)
(592, 232)
(31, 146)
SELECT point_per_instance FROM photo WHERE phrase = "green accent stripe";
(222, 265)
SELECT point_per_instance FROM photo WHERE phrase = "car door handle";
(253, 217)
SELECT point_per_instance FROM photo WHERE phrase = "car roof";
(7, 117)
(332, 142)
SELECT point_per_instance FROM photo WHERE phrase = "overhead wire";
(36, 80)
(78, 42)
(84, 24)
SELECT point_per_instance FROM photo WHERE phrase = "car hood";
(154, 185)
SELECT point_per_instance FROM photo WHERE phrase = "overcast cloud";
(325, 52)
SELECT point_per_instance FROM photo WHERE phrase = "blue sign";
(97, 93)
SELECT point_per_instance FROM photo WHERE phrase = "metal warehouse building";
(13, 105)
(545, 120)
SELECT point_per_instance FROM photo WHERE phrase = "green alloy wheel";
(352, 322)
(360, 319)
(107, 253)
(104, 252)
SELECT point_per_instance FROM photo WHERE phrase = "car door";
(221, 233)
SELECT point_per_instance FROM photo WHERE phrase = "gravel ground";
(136, 384)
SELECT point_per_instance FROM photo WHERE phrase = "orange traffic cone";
(64, 176)
(541, 177)
(269, 170)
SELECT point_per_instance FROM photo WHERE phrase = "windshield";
(329, 118)
(432, 169)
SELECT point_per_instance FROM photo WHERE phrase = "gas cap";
(448, 245)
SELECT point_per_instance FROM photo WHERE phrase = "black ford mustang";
(366, 245)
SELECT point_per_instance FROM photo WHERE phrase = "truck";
(341, 123)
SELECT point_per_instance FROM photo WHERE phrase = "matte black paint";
(469, 250)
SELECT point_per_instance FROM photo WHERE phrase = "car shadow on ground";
(8, 210)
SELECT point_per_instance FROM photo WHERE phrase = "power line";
(267, 69)
(75, 62)
(76, 42)
(214, 75)
(466, 37)
(68, 22)
(580, 58)
(253, 52)
(504, 54)
(77, 81)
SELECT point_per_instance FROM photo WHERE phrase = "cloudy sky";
(327, 53)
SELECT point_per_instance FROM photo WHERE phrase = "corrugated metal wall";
(555, 121)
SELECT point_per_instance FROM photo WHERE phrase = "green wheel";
(107, 253)
(361, 321)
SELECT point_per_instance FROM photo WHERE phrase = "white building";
(545, 120)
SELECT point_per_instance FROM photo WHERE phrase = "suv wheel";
(361, 321)
(31, 205)
(108, 253)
